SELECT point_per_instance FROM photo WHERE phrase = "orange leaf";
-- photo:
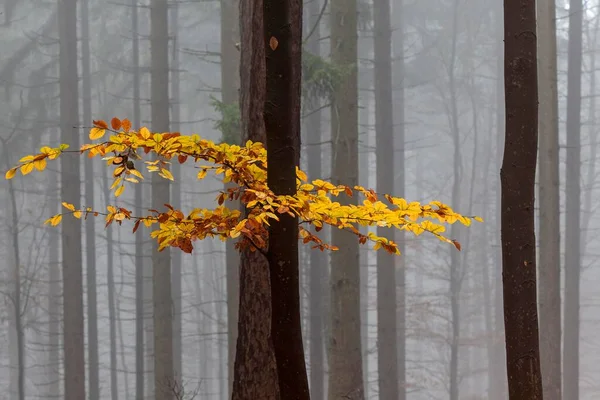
(101, 124)
(181, 158)
(115, 123)
(137, 225)
(273, 43)
(126, 125)
(456, 244)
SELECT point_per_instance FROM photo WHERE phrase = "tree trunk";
(345, 356)
(177, 261)
(518, 193)
(230, 86)
(74, 350)
(318, 261)
(283, 23)
(549, 203)
(110, 283)
(90, 234)
(399, 188)
(573, 205)
(161, 268)
(387, 362)
(139, 234)
(255, 369)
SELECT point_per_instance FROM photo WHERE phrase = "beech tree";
(517, 201)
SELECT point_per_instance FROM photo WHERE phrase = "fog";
(446, 116)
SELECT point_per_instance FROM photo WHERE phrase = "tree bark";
(518, 192)
(283, 25)
(387, 361)
(73, 334)
(573, 205)
(161, 268)
(549, 203)
(345, 355)
(255, 368)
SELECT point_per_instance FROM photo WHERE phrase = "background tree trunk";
(573, 205)
(518, 193)
(73, 334)
(161, 269)
(345, 356)
(549, 200)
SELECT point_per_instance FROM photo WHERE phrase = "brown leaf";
(273, 43)
(100, 124)
(115, 123)
(456, 244)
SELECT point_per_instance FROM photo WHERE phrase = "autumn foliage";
(314, 203)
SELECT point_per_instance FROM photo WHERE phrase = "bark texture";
(549, 203)
(255, 369)
(517, 201)
(283, 36)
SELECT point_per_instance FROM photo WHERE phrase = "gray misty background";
(447, 63)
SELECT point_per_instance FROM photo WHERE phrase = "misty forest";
(299, 199)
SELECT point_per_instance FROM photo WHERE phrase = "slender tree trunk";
(90, 234)
(255, 368)
(139, 235)
(518, 193)
(399, 187)
(549, 203)
(283, 23)
(230, 86)
(161, 269)
(176, 198)
(573, 205)
(110, 283)
(74, 350)
(345, 355)
(318, 262)
(387, 362)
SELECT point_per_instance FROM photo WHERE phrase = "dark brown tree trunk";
(518, 192)
(255, 369)
(283, 35)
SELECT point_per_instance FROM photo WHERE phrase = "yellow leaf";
(145, 132)
(40, 165)
(55, 220)
(97, 133)
(137, 173)
(202, 173)
(119, 191)
(165, 173)
(301, 175)
(478, 219)
(68, 206)
(10, 173)
(27, 168)
(77, 214)
(26, 159)
(115, 183)
(132, 180)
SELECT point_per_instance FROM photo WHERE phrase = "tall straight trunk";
(456, 273)
(161, 261)
(16, 295)
(283, 22)
(345, 355)
(73, 334)
(387, 362)
(573, 205)
(549, 203)
(90, 234)
(318, 261)
(255, 368)
(399, 187)
(110, 283)
(518, 193)
(177, 261)
(139, 235)
(54, 315)
(230, 85)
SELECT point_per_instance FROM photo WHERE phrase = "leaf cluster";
(313, 204)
